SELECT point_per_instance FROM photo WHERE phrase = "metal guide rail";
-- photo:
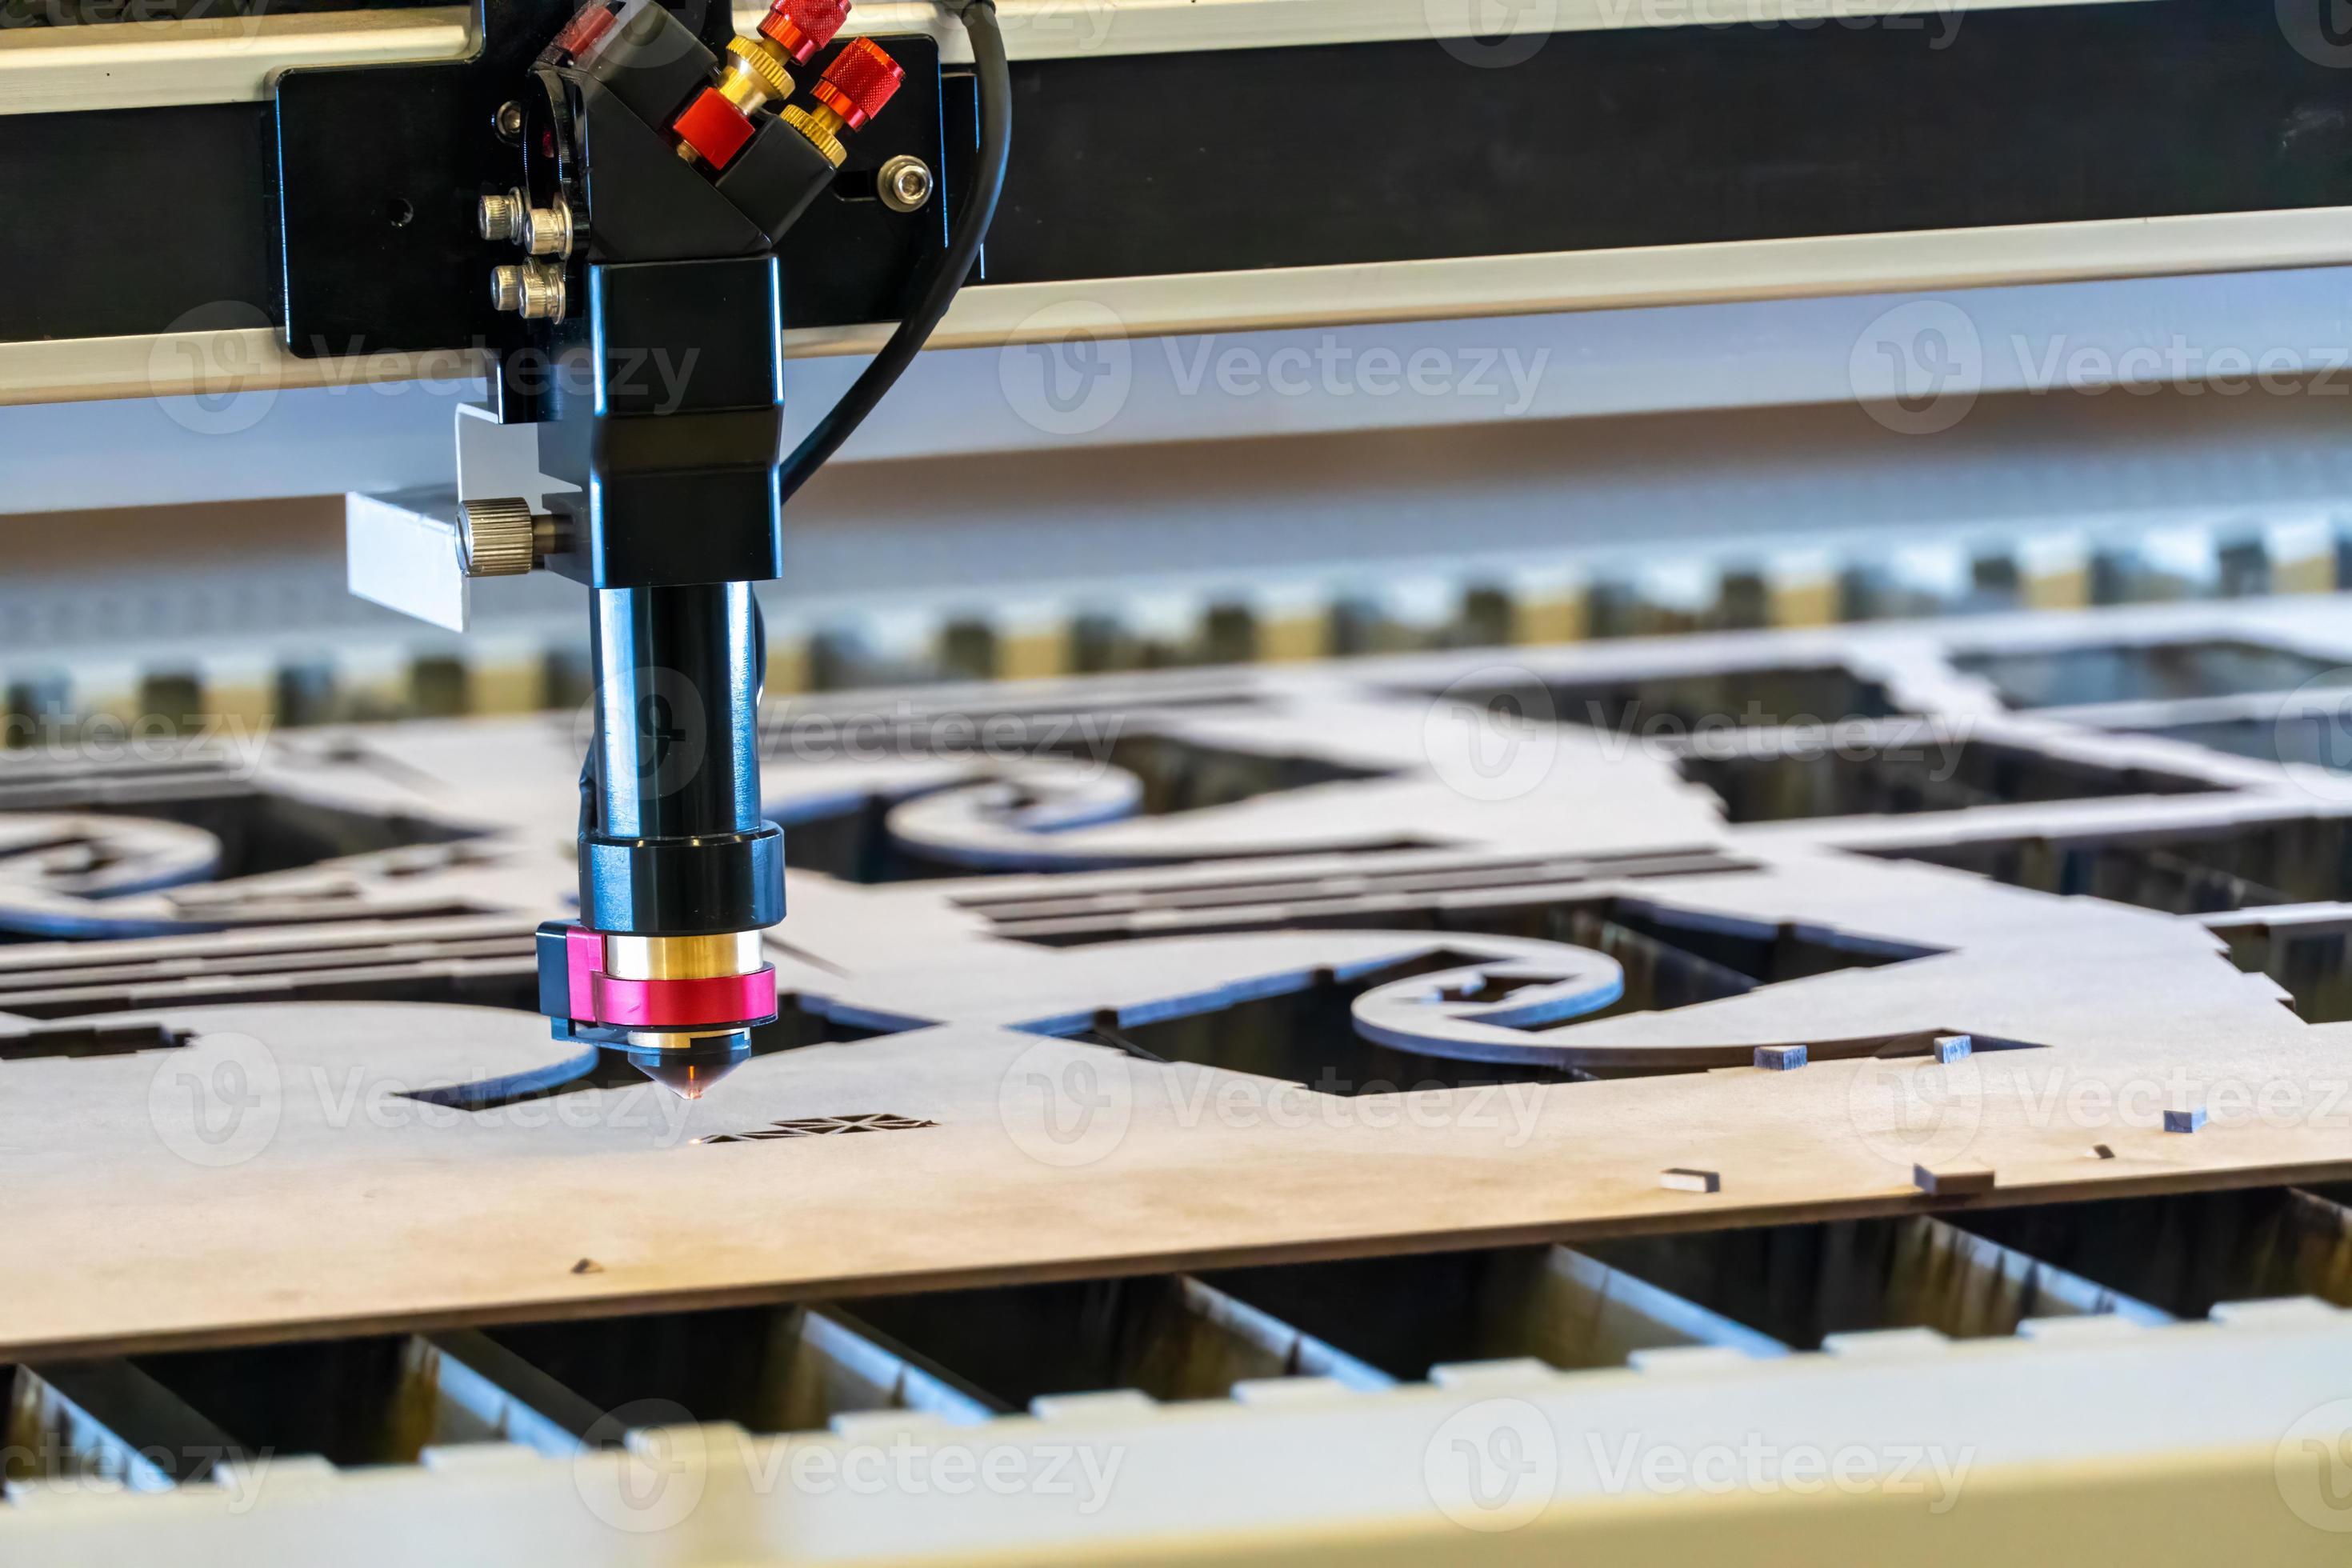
(1417, 172)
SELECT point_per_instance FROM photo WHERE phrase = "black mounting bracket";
(379, 169)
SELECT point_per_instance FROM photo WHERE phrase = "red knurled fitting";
(801, 27)
(859, 82)
(586, 28)
(713, 126)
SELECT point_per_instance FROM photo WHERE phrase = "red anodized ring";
(860, 80)
(684, 1004)
(596, 998)
(801, 27)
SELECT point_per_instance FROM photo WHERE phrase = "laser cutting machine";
(633, 214)
(1681, 356)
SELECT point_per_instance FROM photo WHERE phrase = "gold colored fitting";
(753, 75)
(682, 957)
(811, 123)
(497, 538)
(670, 1040)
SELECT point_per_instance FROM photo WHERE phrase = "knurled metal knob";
(506, 287)
(547, 231)
(859, 81)
(534, 291)
(801, 27)
(497, 538)
(824, 141)
(502, 216)
(753, 75)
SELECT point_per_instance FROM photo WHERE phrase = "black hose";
(979, 19)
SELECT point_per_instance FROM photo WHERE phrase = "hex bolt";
(508, 121)
(904, 184)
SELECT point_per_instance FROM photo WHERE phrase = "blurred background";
(1103, 502)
